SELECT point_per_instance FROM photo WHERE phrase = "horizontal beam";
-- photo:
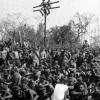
(54, 2)
(37, 6)
(49, 8)
(46, 4)
(37, 10)
(54, 7)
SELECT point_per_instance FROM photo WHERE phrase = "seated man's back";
(59, 92)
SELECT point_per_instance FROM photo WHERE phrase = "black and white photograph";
(49, 49)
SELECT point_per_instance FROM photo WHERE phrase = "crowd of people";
(32, 73)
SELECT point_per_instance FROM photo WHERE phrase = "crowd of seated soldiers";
(28, 73)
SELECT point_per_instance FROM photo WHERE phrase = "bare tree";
(80, 27)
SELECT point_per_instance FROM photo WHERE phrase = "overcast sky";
(60, 16)
(57, 17)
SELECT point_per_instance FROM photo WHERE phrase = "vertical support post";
(45, 11)
(45, 30)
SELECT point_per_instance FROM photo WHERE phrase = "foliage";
(96, 40)
(40, 34)
(66, 35)
(63, 36)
